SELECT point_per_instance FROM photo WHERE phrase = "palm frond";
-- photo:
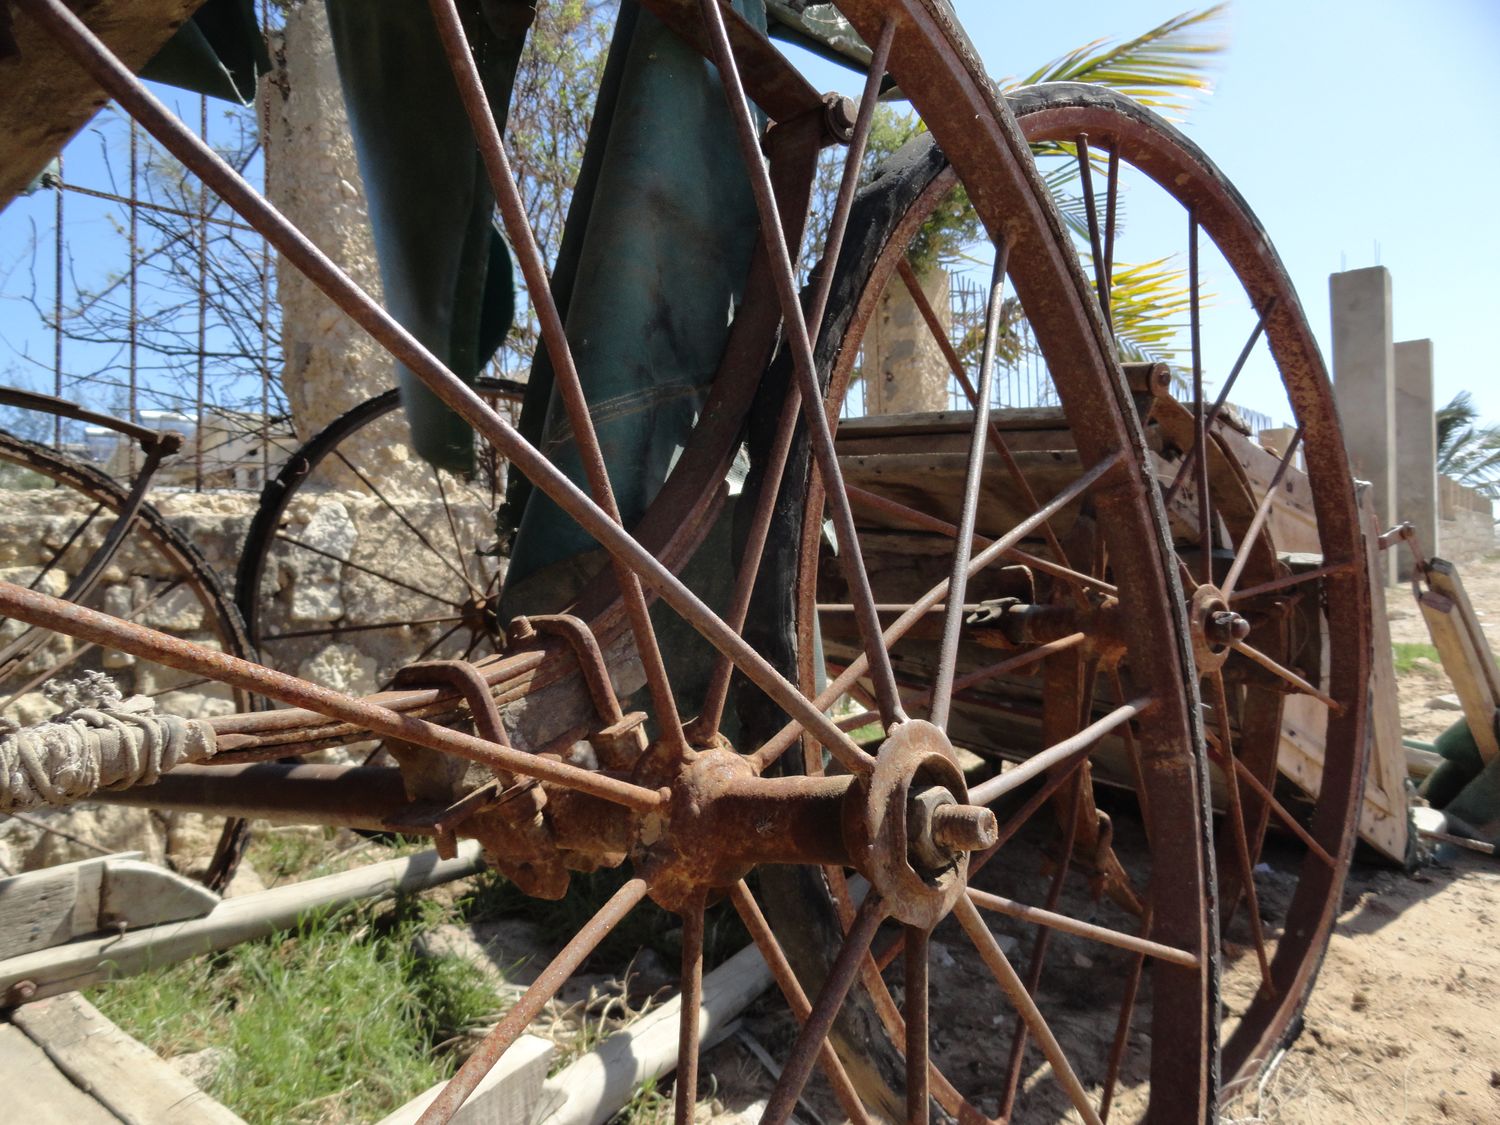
(1150, 304)
(1163, 68)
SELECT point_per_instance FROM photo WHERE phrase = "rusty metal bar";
(780, 742)
(685, 1098)
(953, 619)
(531, 1003)
(1001, 784)
(1091, 210)
(851, 559)
(915, 1012)
(1037, 916)
(1262, 513)
(1005, 975)
(814, 1033)
(554, 334)
(1291, 580)
(1288, 675)
(62, 24)
(149, 644)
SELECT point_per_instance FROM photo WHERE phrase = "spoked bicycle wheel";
(77, 534)
(695, 812)
(360, 560)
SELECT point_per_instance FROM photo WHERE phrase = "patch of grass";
(1406, 654)
(337, 1021)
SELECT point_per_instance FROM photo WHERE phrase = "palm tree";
(1467, 451)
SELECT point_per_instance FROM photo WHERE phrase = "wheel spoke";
(565, 370)
(883, 504)
(955, 365)
(531, 1003)
(791, 988)
(1288, 675)
(914, 1011)
(1200, 417)
(1111, 212)
(1059, 752)
(458, 549)
(1044, 917)
(1213, 414)
(1247, 544)
(1091, 209)
(1005, 975)
(1291, 580)
(1282, 814)
(1122, 1025)
(352, 565)
(340, 630)
(765, 507)
(784, 738)
(1241, 836)
(814, 1033)
(851, 558)
(686, 1094)
(942, 691)
(399, 514)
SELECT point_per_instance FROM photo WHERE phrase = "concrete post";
(905, 372)
(1416, 447)
(1364, 384)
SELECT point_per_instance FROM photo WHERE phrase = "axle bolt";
(1224, 627)
(964, 828)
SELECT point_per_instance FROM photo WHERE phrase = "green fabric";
(445, 271)
(663, 255)
(1461, 765)
(219, 52)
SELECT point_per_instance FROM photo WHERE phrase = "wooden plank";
(1383, 821)
(1464, 668)
(511, 1092)
(36, 1092)
(1443, 577)
(79, 963)
(41, 909)
(126, 1077)
(48, 97)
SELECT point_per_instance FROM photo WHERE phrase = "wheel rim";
(931, 60)
(1161, 153)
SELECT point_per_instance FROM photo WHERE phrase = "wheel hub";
(1215, 628)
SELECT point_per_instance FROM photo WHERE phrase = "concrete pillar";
(1416, 447)
(905, 369)
(1364, 384)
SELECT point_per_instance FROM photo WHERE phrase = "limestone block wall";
(1466, 522)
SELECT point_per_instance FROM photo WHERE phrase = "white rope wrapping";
(68, 757)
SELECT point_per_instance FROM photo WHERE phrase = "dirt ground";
(1404, 1025)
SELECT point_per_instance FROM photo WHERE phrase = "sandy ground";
(1404, 1025)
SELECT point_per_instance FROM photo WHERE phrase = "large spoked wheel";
(1308, 609)
(69, 536)
(360, 560)
(695, 812)
(1262, 595)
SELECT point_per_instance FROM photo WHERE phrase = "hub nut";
(938, 828)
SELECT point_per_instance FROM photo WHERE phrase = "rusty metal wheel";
(1277, 605)
(96, 544)
(706, 803)
(360, 559)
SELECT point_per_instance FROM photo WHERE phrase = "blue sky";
(1361, 133)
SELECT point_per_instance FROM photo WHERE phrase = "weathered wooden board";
(1465, 668)
(125, 1077)
(41, 909)
(1443, 577)
(36, 1092)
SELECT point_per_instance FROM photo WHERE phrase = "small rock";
(941, 955)
(246, 881)
(1444, 703)
(201, 1067)
(1082, 962)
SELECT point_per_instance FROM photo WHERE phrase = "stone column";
(313, 177)
(1416, 448)
(905, 372)
(1364, 384)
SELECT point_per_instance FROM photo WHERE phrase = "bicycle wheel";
(695, 812)
(358, 562)
(61, 516)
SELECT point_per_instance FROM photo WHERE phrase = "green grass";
(337, 1021)
(1406, 654)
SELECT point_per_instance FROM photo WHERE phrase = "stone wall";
(1466, 522)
